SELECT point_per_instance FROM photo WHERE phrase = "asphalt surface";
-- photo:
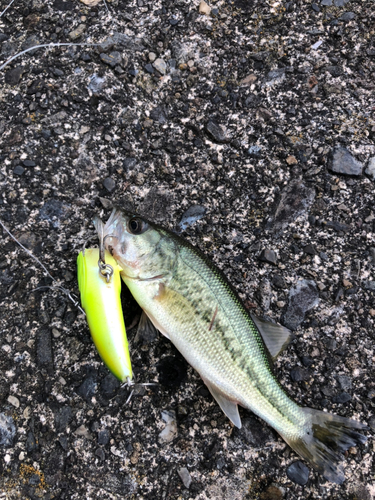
(249, 129)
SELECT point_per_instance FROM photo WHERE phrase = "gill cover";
(102, 304)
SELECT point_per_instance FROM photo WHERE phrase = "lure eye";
(137, 226)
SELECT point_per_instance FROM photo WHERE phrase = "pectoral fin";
(275, 337)
(229, 407)
(146, 331)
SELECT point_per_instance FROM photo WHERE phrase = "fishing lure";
(100, 289)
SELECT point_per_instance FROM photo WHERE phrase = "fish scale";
(188, 300)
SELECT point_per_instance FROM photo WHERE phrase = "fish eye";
(137, 226)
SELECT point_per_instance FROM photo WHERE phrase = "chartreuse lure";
(100, 298)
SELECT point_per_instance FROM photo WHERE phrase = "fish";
(101, 302)
(190, 301)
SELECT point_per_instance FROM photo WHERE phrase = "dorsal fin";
(276, 337)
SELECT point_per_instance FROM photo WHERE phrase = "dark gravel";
(250, 129)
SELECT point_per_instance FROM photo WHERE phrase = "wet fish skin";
(190, 302)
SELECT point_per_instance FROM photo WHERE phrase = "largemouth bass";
(102, 304)
(189, 301)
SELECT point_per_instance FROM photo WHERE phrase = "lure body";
(102, 304)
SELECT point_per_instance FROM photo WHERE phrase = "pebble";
(292, 160)
(298, 473)
(96, 83)
(170, 431)
(88, 387)
(204, 8)
(343, 162)
(370, 170)
(149, 68)
(44, 353)
(18, 170)
(83, 431)
(192, 214)
(217, 132)
(295, 200)
(268, 256)
(254, 151)
(29, 163)
(113, 59)
(302, 297)
(103, 437)
(63, 417)
(185, 476)
(342, 398)
(248, 80)
(13, 76)
(274, 77)
(160, 65)
(109, 184)
(7, 430)
(109, 386)
(14, 401)
(326, 3)
(73, 35)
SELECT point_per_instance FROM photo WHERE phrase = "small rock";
(217, 132)
(345, 382)
(63, 417)
(369, 285)
(14, 401)
(298, 473)
(338, 226)
(302, 297)
(370, 170)
(342, 162)
(346, 283)
(151, 56)
(292, 160)
(170, 431)
(109, 184)
(255, 151)
(113, 59)
(299, 374)
(13, 76)
(248, 80)
(82, 431)
(204, 8)
(342, 398)
(73, 35)
(185, 476)
(96, 83)
(44, 349)
(275, 76)
(268, 256)
(18, 170)
(160, 65)
(109, 386)
(347, 16)
(310, 250)
(7, 430)
(192, 214)
(278, 281)
(104, 437)
(326, 3)
(29, 163)
(149, 68)
(295, 200)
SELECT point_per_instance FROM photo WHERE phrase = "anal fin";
(229, 407)
(276, 337)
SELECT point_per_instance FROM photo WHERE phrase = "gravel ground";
(248, 128)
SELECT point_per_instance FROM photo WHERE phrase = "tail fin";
(326, 437)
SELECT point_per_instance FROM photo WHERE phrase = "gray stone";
(342, 162)
(370, 170)
(96, 83)
(296, 199)
(7, 430)
(160, 65)
(192, 214)
(185, 476)
(274, 77)
(302, 297)
(44, 352)
(268, 256)
(113, 59)
(298, 473)
(73, 35)
(109, 184)
(326, 3)
(217, 132)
